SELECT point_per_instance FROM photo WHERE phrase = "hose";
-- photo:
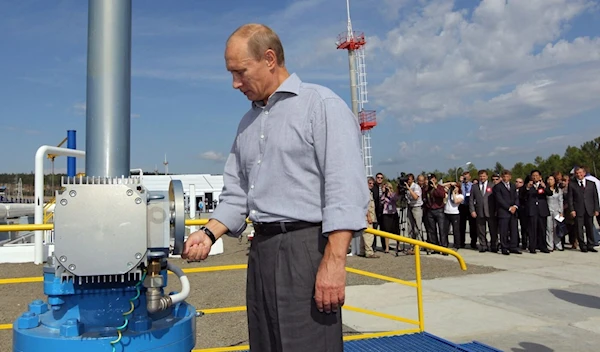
(126, 314)
(185, 284)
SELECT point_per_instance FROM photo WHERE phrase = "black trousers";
(537, 232)
(437, 220)
(588, 222)
(282, 314)
(509, 232)
(524, 221)
(465, 216)
(454, 220)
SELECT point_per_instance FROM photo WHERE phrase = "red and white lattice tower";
(355, 42)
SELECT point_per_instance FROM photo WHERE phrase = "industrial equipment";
(106, 279)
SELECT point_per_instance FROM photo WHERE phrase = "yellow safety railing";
(418, 284)
(48, 215)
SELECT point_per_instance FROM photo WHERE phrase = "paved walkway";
(539, 303)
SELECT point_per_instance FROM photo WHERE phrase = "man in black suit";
(377, 190)
(507, 203)
(522, 211)
(538, 212)
(479, 206)
(583, 205)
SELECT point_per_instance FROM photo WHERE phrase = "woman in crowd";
(390, 222)
(555, 205)
(452, 214)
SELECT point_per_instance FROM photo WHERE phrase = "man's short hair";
(371, 179)
(466, 173)
(411, 176)
(260, 39)
(535, 170)
(506, 172)
(481, 172)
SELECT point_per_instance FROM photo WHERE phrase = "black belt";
(276, 228)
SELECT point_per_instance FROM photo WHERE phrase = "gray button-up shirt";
(298, 158)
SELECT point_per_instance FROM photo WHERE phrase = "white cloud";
(504, 60)
(212, 155)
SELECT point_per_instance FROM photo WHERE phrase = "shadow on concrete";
(580, 299)
(531, 347)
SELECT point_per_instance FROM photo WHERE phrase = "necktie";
(581, 184)
(507, 186)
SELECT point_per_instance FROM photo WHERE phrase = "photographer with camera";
(415, 207)
(434, 201)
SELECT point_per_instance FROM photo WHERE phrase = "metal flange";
(177, 213)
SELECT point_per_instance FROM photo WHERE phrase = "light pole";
(456, 170)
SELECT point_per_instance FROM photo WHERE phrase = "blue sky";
(452, 81)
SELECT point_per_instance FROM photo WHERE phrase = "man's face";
(495, 180)
(536, 177)
(580, 174)
(519, 182)
(250, 76)
(371, 183)
(411, 180)
(467, 177)
(379, 179)
(506, 178)
(482, 177)
(421, 180)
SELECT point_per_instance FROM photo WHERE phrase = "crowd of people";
(536, 214)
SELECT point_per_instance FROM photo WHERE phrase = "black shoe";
(482, 250)
(515, 251)
(592, 250)
(545, 250)
(494, 250)
(505, 252)
(583, 250)
(532, 251)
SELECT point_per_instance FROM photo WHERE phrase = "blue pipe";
(71, 161)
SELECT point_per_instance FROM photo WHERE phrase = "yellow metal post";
(419, 287)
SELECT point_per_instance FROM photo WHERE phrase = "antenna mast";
(354, 43)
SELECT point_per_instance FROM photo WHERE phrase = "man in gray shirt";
(295, 168)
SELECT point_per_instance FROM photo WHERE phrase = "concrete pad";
(554, 305)
(580, 273)
(493, 284)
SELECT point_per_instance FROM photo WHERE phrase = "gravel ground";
(224, 289)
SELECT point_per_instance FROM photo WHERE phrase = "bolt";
(28, 314)
(63, 259)
(73, 193)
(129, 264)
(138, 256)
(38, 301)
(72, 267)
(63, 202)
(138, 200)
(129, 192)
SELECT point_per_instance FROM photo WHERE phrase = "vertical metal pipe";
(108, 120)
(71, 161)
(355, 248)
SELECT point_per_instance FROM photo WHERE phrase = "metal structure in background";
(105, 280)
(71, 161)
(355, 42)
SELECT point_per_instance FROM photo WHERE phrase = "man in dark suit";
(479, 206)
(583, 205)
(538, 212)
(522, 211)
(507, 203)
(377, 190)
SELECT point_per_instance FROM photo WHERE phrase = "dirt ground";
(224, 289)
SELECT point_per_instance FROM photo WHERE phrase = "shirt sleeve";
(233, 202)
(336, 138)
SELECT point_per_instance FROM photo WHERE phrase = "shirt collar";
(291, 85)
